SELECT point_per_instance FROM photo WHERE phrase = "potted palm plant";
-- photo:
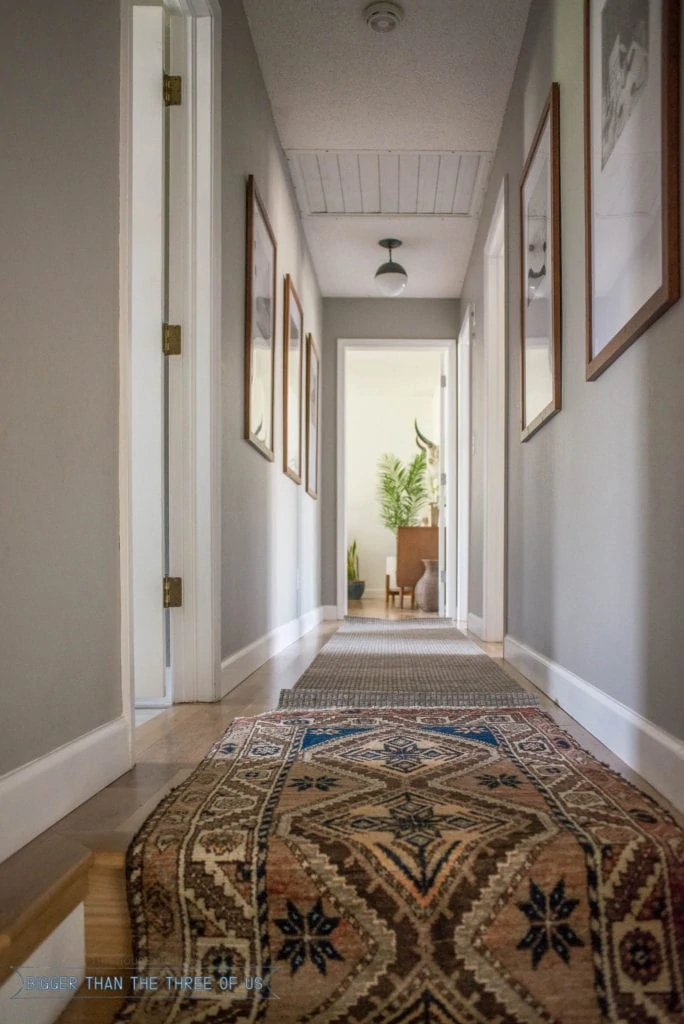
(355, 586)
(402, 490)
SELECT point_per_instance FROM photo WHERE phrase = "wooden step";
(108, 938)
(40, 885)
(107, 924)
(91, 1008)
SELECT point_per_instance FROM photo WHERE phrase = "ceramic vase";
(427, 587)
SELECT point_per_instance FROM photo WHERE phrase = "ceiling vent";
(384, 16)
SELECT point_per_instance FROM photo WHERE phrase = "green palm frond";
(402, 490)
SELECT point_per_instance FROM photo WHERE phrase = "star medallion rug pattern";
(469, 866)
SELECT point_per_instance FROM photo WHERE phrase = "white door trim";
(345, 345)
(194, 463)
(464, 443)
(494, 525)
(450, 462)
(141, 311)
(195, 472)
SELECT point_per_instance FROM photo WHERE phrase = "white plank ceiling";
(409, 184)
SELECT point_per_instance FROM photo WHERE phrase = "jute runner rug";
(406, 663)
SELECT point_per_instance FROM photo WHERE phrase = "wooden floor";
(169, 747)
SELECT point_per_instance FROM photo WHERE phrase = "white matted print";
(631, 171)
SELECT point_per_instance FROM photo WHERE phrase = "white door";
(153, 379)
(146, 317)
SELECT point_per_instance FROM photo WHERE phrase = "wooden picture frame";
(260, 325)
(313, 403)
(293, 348)
(631, 97)
(540, 273)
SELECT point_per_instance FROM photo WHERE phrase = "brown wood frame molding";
(254, 206)
(292, 299)
(551, 110)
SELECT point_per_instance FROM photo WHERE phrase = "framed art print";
(293, 347)
(312, 415)
(260, 322)
(540, 260)
(631, 66)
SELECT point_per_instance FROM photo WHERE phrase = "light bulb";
(391, 279)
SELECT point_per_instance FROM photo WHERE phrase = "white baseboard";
(476, 625)
(330, 613)
(35, 796)
(62, 954)
(374, 592)
(240, 665)
(656, 755)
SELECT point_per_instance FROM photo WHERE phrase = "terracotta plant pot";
(427, 587)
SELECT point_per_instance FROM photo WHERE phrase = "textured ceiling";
(434, 253)
(434, 90)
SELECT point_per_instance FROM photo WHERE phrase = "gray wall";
(59, 571)
(270, 526)
(398, 319)
(595, 536)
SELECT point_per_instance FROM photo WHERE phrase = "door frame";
(495, 412)
(345, 345)
(194, 454)
(464, 448)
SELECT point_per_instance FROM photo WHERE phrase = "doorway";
(395, 398)
(491, 627)
(169, 384)
(464, 449)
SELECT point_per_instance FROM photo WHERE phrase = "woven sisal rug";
(422, 867)
(405, 663)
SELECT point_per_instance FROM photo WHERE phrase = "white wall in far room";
(386, 391)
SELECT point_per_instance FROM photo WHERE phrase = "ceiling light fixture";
(384, 16)
(390, 277)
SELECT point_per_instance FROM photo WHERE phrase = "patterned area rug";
(407, 867)
(378, 663)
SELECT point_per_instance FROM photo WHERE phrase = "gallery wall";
(402, 318)
(386, 392)
(271, 560)
(595, 541)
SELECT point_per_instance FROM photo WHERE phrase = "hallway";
(172, 533)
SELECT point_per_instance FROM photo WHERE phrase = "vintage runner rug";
(406, 663)
(407, 867)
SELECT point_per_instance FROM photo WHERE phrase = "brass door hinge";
(171, 339)
(173, 90)
(173, 592)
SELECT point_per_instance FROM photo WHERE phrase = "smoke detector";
(384, 16)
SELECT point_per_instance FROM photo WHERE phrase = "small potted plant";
(355, 586)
